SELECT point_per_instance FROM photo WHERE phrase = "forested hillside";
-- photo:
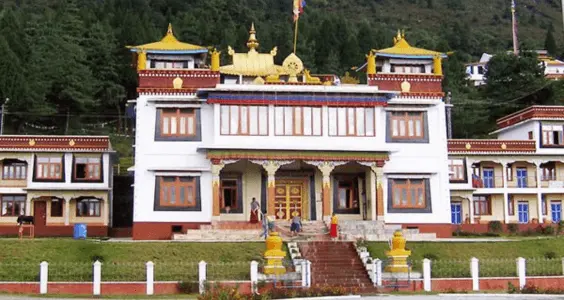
(65, 68)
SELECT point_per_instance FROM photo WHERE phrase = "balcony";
(497, 182)
(165, 79)
(551, 183)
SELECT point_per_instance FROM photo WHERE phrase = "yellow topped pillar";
(141, 60)
(274, 255)
(371, 63)
(437, 65)
(398, 254)
(215, 60)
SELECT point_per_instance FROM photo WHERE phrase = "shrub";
(511, 289)
(550, 255)
(431, 256)
(528, 232)
(560, 228)
(512, 228)
(283, 293)
(549, 230)
(531, 289)
(188, 287)
(495, 226)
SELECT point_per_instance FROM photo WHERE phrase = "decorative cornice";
(292, 83)
(285, 155)
(551, 112)
(167, 91)
(181, 73)
(402, 77)
(490, 146)
(297, 99)
(55, 143)
(422, 95)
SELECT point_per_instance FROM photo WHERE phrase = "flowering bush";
(232, 293)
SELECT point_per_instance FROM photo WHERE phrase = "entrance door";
(288, 200)
(39, 214)
(456, 213)
(523, 211)
(556, 211)
(521, 177)
(489, 178)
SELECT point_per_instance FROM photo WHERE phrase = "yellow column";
(216, 170)
(371, 63)
(437, 65)
(271, 167)
(379, 172)
(326, 168)
(141, 60)
(215, 60)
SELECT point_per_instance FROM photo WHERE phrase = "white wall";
(521, 131)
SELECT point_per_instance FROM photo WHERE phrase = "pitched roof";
(402, 48)
(169, 43)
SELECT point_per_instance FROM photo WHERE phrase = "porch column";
(378, 169)
(28, 206)
(67, 211)
(326, 168)
(504, 166)
(271, 167)
(539, 193)
(471, 209)
(373, 193)
(216, 170)
(105, 210)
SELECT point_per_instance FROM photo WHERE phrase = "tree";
(549, 42)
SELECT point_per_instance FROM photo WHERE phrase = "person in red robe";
(334, 233)
(255, 208)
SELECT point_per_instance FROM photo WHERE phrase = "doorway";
(39, 214)
(456, 212)
(288, 201)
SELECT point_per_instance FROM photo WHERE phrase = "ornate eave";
(33, 143)
(167, 91)
(532, 112)
(220, 154)
(169, 45)
(469, 146)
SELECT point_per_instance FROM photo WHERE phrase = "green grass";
(72, 260)
(497, 259)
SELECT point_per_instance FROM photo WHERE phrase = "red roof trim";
(491, 146)
(166, 91)
(177, 72)
(46, 142)
(556, 112)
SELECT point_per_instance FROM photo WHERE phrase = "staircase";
(336, 264)
(311, 231)
(378, 231)
(223, 232)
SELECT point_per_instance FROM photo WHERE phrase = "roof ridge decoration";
(169, 43)
(403, 49)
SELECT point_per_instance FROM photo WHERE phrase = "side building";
(516, 178)
(211, 138)
(59, 180)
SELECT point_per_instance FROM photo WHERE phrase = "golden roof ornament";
(253, 43)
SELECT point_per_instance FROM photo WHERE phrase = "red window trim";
(61, 201)
(86, 178)
(223, 188)
(407, 117)
(13, 206)
(488, 201)
(48, 165)
(98, 203)
(353, 193)
(188, 113)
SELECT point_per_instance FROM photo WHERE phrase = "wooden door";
(39, 213)
(288, 200)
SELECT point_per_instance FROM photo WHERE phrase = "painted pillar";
(378, 169)
(67, 211)
(326, 168)
(539, 193)
(271, 167)
(373, 199)
(505, 194)
(216, 170)
(471, 209)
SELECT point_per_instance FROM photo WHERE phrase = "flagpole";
(296, 34)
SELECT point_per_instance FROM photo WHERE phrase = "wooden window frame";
(238, 187)
(293, 114)
(409, 187)
(99, 166)
(407, 116)
(38, 176)
(61, 204)
(14, 165)
(548, 172)
(353, 181)
(355, 129)
(461, 168)
(545, 137)
(12, 214)
(167, 186)
(89, 201)
(353, 194)
(178, 113)
(259, 124)
(488, 201)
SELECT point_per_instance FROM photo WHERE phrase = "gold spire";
(169, 30)
(253, 42)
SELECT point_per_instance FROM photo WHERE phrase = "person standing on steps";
(296, 225)
(334, 227)
(255, 207)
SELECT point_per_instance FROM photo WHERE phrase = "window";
(231, 194)
(548, 172)
(295, 120)
(510, 205)
(408, 193)
(351, 121)
(179, 124)
(347, 195)
(56, 207)
(482, 205)
(407, 127)
(244, 120)
(408, 69)
(481, 70)
(531, 137)
(509, 172)
(552, 135)
(544, 206)
(14, 170)
(457, 169)
(177, 193)
(49, 168)
(164, 64)
(88, 207)
(87, 168)
(13, 205)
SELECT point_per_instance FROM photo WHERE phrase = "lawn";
(497, 259)
(72, 260)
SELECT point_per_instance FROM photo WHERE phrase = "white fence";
(304, 270)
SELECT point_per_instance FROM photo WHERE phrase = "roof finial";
(253, 42)
(169, 31)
